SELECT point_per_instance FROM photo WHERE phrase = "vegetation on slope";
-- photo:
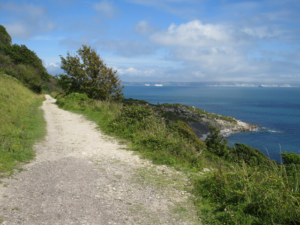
(242, 187)
(22, 63)
(21, 123)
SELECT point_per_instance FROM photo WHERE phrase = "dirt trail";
(81, 176)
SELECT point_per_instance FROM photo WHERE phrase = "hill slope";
(21, 123)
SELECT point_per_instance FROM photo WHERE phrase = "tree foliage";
(87, 73)
(5, 39)
(20, 54)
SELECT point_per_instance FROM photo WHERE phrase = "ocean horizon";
(276, 110)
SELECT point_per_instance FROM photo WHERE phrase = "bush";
(216, 143)
(290, 158)
(242, 153)
(71, 99)
(26, 74)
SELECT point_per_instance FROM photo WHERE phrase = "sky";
(166, 40)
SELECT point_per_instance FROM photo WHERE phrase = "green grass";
(242, 187)
(21, 124)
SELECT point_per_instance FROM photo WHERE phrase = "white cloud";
(197, 34)
(28, 20)
(135, 72)
(106, 8)
(53, 68)
(261, 32)
(143, 27)
(220, 51)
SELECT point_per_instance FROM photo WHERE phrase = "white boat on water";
(147, 84)
(158, 85)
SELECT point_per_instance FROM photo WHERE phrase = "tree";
(87, 73)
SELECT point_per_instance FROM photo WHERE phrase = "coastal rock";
(200, 120)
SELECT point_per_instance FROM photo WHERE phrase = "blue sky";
(166, 40)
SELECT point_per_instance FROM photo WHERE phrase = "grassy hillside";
(21, 123)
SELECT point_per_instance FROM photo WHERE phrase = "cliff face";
(200, 120)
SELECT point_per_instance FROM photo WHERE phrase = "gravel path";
(81, 176)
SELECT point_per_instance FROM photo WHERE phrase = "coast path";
(81, 176)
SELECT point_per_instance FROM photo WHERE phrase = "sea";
(276, 110)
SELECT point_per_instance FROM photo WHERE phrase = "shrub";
(26, 74)
(290, 158)
(216, 143)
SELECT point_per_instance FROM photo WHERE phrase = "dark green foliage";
(20, 54)
(130, 101)
(245, 154)
(216, 143)
(51, 85)
(25, 73)
(87, 73)
(5, 39)
(5, 61)
(240, 153)
(22, 63)
(290, 158)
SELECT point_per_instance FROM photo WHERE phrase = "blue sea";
(276, 110)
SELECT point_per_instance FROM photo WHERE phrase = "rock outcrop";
(200, 120)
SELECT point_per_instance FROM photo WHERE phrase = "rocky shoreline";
(200, 120)
(201, 128)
